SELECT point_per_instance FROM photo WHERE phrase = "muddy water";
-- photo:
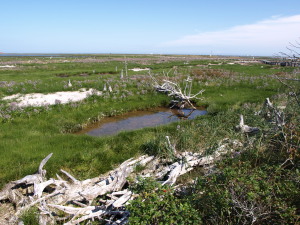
(139, 119)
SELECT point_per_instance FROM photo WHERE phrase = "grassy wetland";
(259, 175)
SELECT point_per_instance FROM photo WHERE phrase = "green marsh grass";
(28, 135)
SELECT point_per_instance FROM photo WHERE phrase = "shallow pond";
(140, 119)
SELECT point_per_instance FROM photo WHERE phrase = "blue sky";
(257, 27)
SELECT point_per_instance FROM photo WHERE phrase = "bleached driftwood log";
(37, 180)
(189, 160)
(75, 198)
(245, 128)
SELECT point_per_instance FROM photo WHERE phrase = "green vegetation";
(260, 183)
(257, 184)
(30, 217)
(157, 204)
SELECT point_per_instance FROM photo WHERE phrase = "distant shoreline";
(111, 54)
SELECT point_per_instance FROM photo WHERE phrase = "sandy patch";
(139, 69)
(7, 66)
(38, 99)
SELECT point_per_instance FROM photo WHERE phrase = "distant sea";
(42, 55)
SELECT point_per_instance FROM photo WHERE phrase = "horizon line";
(86, 53)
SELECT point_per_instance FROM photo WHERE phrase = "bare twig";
(291, 88)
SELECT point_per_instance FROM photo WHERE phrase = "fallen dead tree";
(182, 97)
(101, 198)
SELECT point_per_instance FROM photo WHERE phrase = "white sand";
(139, 69)
(38, 99)
(7, 66)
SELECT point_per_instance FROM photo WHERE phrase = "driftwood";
(245, 128)
(105, 88)
(183, 98)
(273, 113)
(270, 112)
(76, 198)
(69, 83)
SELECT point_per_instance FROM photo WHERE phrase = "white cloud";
(264, 37)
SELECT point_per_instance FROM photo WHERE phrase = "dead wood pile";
(101, 198)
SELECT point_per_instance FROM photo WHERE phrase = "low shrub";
(157, 204)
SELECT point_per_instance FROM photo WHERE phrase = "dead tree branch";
(183, 97)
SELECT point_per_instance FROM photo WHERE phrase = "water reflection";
(140, 119)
